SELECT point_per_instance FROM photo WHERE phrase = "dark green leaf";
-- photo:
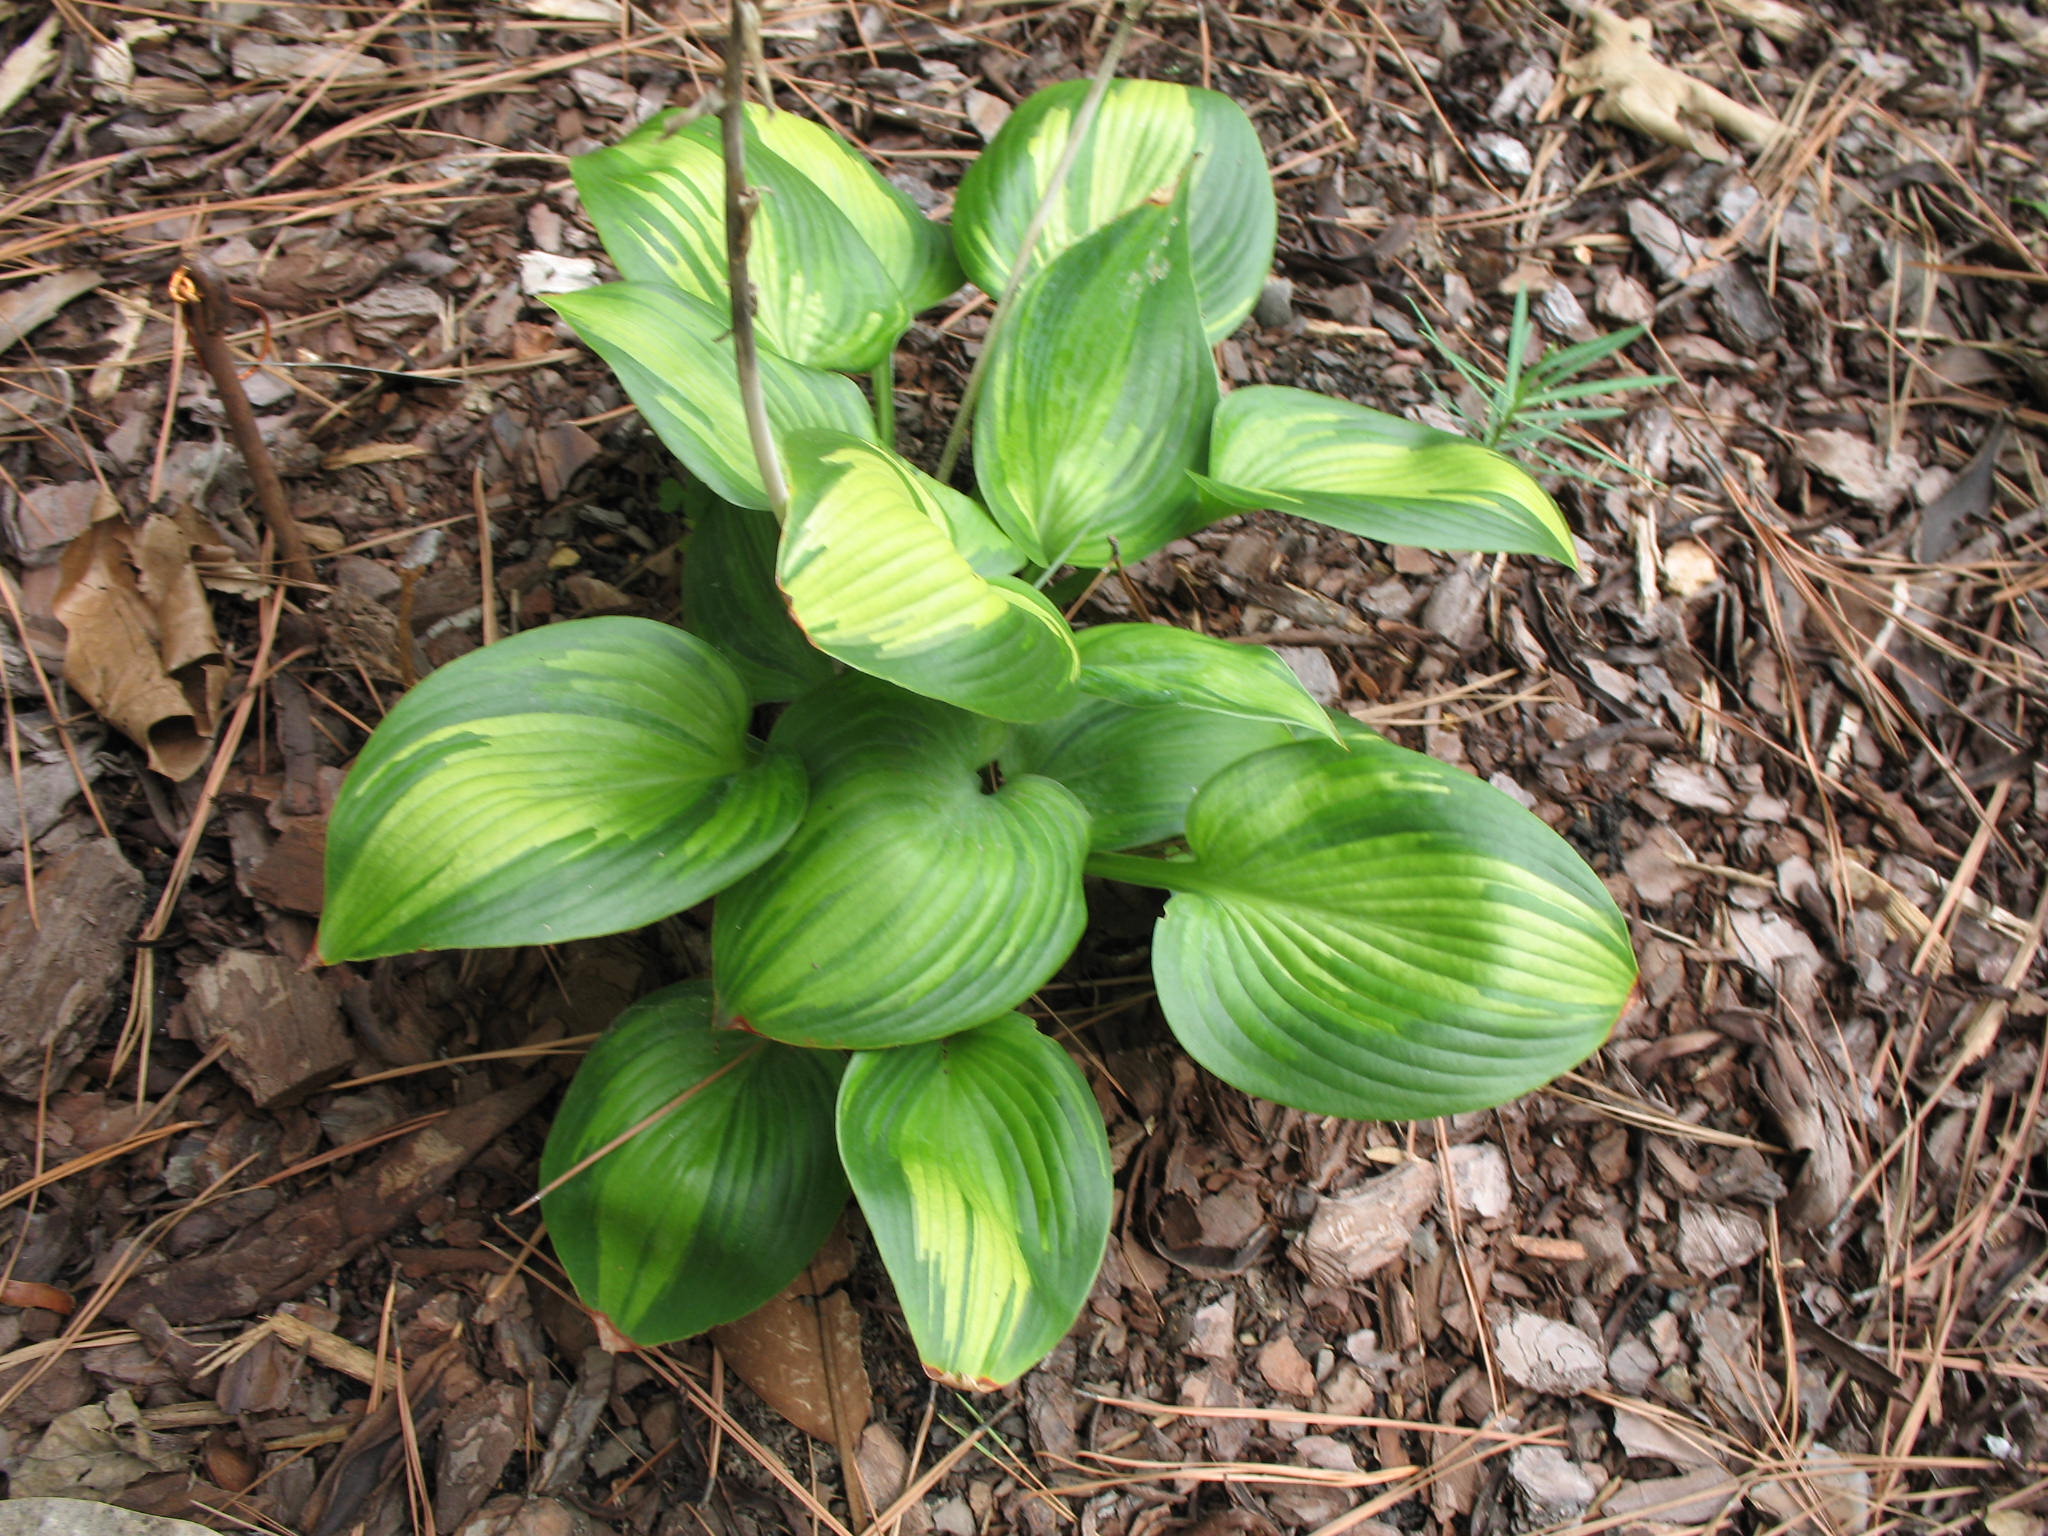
(913, 250)
(673, 353)
(719, 1200)
(1136, 769)
(1098, 396)
(580, 779)
(1372, 933)
(657, 198)
(911, 902)
(730, 598)
(1149, 140)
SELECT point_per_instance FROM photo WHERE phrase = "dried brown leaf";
(802, 1356)
(142, 647)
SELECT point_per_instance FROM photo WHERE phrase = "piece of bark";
(477, 1441)
(1360, 1232)
(58, 982)
(292, 874)
(1713, 1239)
(569, 1440)
(292, 1248)
(281, 1026)
(1546, 1355)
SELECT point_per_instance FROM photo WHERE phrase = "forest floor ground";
(1772, 1261)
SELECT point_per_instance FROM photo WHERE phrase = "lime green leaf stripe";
(981, 1165)
(1378, 476)
(873, 577)
(1154, 664)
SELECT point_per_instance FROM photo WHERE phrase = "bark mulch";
(1772, 1261)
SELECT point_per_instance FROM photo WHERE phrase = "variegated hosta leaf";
(982, 1168)
(1149, 138)
(1372, 933)
(730, 598)
(1154, 664)
(1136, 769)
(673, 354)
(912, 901)
(1098, 396)
(716, 1205)
(580, 779)
(873, 577)
(1377, 476)
(914, 251)
(657, 197)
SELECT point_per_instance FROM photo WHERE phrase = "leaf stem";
(884, 381)
(1154, 874)
(743, 39)
(956, 435)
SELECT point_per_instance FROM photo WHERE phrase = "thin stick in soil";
(202, 296)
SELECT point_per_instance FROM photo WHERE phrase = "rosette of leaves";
(903, 854)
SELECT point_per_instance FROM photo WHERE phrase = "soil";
(1771, 1261)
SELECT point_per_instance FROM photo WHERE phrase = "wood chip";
(1558, 1250)
(1361, 1232)
(1285, 1368)
(282, 1027)
(1856, 464)
(1546, 1355)
(1693, 1499)
(1714, 1239)
(57, 981)
(1553, 1488)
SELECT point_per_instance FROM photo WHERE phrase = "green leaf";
(913, 250)
(730, 598)
(874, 579)
(657, 197)
(1136, 769)
(1098, 396)
(1377, 476)
(1153, 664)
(911, 902)
(982, 1168)
(973, 532)
(718, 1203)
(673, 354)
(580, 779)
(1148, 140)
(1374, 934)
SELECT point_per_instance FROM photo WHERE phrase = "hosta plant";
(899, 773)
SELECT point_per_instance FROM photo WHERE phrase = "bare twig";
(202, 297)
(742, 41)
